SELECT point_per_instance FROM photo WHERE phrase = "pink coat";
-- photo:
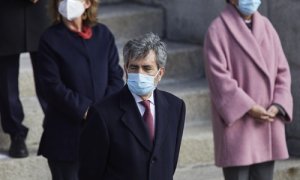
(244, 68)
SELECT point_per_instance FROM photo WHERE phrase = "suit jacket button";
(153, 160)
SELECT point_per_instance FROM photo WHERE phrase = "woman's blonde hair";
(89, 16)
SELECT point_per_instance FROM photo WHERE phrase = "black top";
(22, 24)
(74, 73)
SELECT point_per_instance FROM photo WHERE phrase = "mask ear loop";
(157, 73)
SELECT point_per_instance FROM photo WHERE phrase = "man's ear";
(161, 73)
(125, 71)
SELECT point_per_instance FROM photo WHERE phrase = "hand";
(260, 113)
(273, 111)
(34, 1)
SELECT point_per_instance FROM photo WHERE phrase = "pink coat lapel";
(249, 41)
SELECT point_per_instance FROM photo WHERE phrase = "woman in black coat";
(22, 23)
(78, 66)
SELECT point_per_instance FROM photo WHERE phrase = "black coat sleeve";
(56, 93)
(94, 147)
(115, 77)
(179, 134)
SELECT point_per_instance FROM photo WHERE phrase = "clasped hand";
(34, 1)
(263, 115)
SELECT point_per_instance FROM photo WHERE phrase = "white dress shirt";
(138, 99)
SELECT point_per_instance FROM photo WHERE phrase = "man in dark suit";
(136, 133)
(22, 22)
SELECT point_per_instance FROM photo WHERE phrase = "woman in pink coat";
(250, 81)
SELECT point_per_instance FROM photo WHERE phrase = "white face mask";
(71, 9)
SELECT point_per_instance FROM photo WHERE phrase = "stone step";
(33, 120)
(184, 62)
(30, 168)
(196, 148)
(195, 160)
(198, 172)
(197, 145)
(195, 94)
(284, 170)
(128, 20)
(36, 168)
(110, 1)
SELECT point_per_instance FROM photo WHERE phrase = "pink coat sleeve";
(230, 101)
(282, 92)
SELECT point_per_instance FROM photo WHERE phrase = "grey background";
(188, 20)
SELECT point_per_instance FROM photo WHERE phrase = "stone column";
(188, 20)
(285, 15)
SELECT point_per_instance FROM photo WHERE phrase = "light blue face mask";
(248, 7)
(141, 84)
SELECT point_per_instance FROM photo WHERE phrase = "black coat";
(116, 144)
(22, 23)
(74, 74)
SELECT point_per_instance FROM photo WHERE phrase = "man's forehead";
(148, 60)
(142, 62)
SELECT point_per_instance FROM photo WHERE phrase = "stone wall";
(188, 21)
(285, 15)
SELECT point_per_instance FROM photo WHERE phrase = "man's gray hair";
(139, 48)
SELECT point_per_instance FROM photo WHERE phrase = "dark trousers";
(260, 171)
(63, 170)
(11, 109)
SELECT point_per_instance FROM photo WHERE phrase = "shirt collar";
(138, 99)
(248, 21)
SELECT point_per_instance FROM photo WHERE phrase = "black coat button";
(154, 159)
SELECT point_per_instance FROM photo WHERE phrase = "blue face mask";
(248, 7)
(141, 84)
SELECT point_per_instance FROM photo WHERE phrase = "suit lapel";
(258, 27)
(161, 119)
(249, 41)
(133, 119)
